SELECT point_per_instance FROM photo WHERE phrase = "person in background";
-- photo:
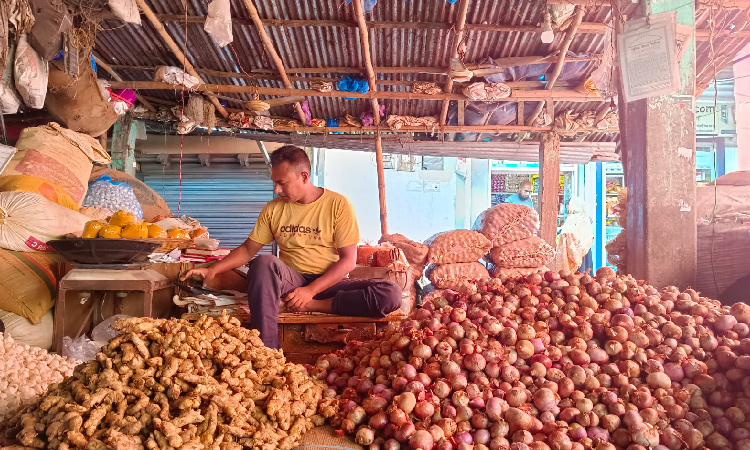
(523, 196)
(317, 235)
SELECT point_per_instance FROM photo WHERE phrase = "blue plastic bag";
(112, 195)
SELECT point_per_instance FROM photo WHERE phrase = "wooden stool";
(100, 282)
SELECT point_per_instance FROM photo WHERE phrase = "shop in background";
(507, 176)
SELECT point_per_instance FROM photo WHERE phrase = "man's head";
(525, 190)
(290, 173)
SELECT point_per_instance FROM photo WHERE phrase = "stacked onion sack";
(516, 251)
(454, 258)
(617, 248)
(551, 363)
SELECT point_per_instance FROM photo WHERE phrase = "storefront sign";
(719, 120)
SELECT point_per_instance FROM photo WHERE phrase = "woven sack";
(459, 246)
(415, 252)
(78, 102)
(54, 162)
(507, 222)
(529, 252)
(27, 283)
(517, 272)
(454, 276)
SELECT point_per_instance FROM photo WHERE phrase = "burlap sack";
(151, 202)
(415, 252)
(529, 252)
(78, 103)
(458, 246)
(453, 276)
(507, 222)
(517, 272)
(55, 162)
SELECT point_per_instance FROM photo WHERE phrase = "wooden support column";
(181, 57)
(273, 54)
(549, 186)
(661, 232)
(123, 145)
(460, 25)
(364, 37)
(381, 183)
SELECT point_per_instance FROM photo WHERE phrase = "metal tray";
(104, 251)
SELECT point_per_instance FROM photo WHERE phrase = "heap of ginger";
(169, 384)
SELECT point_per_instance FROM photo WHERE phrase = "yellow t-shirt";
(308, 235)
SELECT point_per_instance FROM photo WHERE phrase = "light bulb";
(547, 34)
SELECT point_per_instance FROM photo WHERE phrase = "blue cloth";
(348, 84)
(515, 199)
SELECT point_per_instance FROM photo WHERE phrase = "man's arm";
(236, 258)
(300, 297)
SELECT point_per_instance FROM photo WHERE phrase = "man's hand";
(205, 274)
(299, 298)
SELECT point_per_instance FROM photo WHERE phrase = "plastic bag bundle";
(529, 252)
(81, 348)
(219, 22)
(455, 276)
(459, 246)
(507, 222)
(31, 74)
(115, 196)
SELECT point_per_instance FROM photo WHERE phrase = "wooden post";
(660, 176)
(570, 34)
(381, 183)
(459, 27)
(268, 45)
(123, 145)
(181, 57)
(549, 186)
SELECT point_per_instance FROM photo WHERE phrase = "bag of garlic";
(25, 332)
(112, 195)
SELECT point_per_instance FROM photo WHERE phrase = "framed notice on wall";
(648, 56)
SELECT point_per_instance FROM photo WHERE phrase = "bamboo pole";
(516, 95)
(117, 77)
(268, 45)
(381, 183)
(177, 52)
(364, 38)
(570, 34)
(463, 8)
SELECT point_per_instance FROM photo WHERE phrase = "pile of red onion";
(551, 363)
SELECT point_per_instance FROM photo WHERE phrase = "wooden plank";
(289, 318)
(518, 94)
(463, 8)
(146, 10)
(461, 106)
(521, 120)
(549, 183)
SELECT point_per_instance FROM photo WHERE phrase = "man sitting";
(317, 235)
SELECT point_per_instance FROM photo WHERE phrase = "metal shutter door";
(224, 196)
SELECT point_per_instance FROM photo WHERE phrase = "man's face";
(289, 182)
(525, 191)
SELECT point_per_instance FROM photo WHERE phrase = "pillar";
(123, 145)
(549, 186)
(660, 168)
(481, 188)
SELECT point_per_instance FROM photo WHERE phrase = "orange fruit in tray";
(110, 232)
(176, 233)
(155, 231)
(135, 231)
(92, 228)
(122, 219)
(198, 233)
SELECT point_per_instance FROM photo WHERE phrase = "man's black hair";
(295, 156)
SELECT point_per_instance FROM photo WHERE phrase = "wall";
(415, 214)
(742, 105)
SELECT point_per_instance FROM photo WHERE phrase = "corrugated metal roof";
(320, 47)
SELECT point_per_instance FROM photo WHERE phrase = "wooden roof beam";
(459, 26)
(107, 68)
(268, 45)
(583, 28)
(516, 95)
(570, 34)
(181, 57)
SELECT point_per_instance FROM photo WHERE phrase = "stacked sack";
(454, 257)
(416, 255)
(516, 251)
(41, 190)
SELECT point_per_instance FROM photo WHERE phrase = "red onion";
(422, 440)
